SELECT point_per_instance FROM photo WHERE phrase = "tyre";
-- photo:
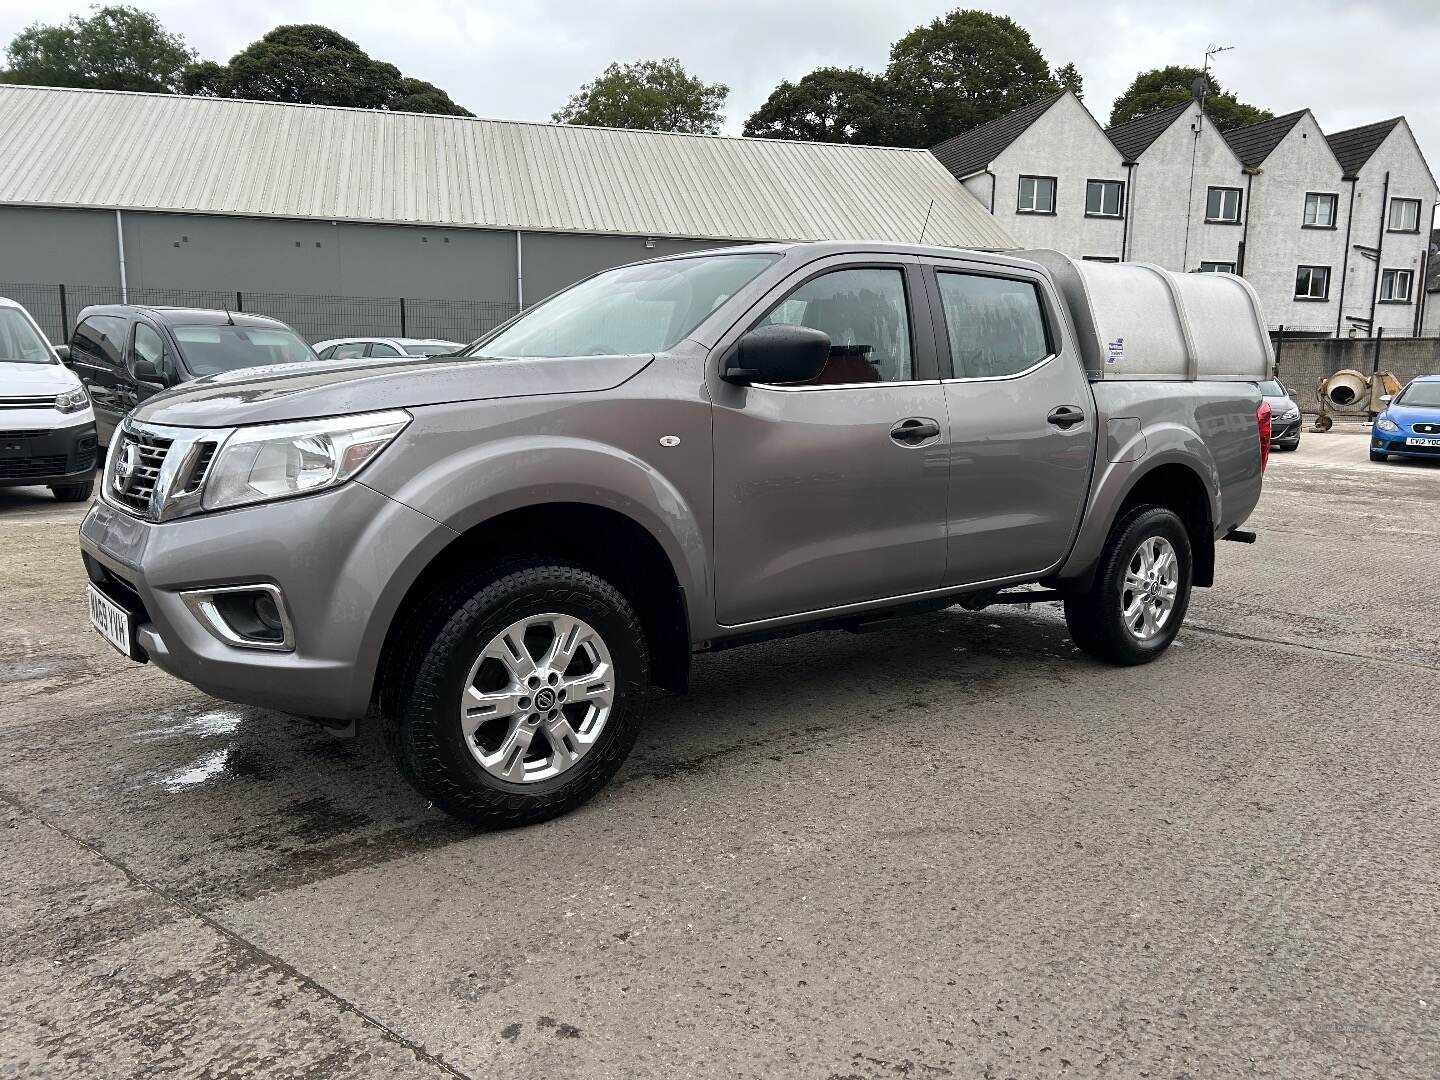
(1379, 455)
(521, 695)
(1135, 606)
(74, 492)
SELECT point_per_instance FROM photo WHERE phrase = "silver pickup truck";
(503, 552)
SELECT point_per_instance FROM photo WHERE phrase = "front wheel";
(522, 695)
(1379, 455)
(1134, 608)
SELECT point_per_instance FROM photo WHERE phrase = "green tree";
(959, 72)
(655, 95)
(1068, 77)
(313, 65)
(838, 105)
(1163, 87)
(115, 48)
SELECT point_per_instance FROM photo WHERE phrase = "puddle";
(203, 769)
(206, 725)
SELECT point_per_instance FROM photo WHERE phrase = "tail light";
(1263, 416)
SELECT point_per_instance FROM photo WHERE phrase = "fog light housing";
(245, 616)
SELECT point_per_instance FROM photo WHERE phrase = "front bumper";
(343, 560)
(1385, 442)
(42, 455)
(1285, 431)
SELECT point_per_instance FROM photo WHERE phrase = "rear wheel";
(1134, 608)
(522, 694)
(74, 492)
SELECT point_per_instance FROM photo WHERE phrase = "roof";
(223, 156)
(1252, 144)
(971, 151)
(184, 316)
(1134, 137)
(1354, 147)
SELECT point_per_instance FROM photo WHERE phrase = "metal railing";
(315, 318)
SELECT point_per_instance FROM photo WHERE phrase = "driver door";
(833, 492)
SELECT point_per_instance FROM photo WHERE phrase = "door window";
(349, 351)
(379, 348)
(995, 326)
(863, 310)
(149, 346)
(99, 340)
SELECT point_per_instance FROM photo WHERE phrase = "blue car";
(1410, 424)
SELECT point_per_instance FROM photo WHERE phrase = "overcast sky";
(1352, 63)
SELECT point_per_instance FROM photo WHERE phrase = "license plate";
(1413, 441)
(112, 622)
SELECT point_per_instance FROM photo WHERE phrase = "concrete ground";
(952, 849)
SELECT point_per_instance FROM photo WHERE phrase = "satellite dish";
(1199, 88)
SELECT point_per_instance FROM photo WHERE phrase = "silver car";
(1284, 415)
(356, 347)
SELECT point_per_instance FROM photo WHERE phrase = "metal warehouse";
(358, 221)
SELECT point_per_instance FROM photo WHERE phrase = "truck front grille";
(134, 468)
(31, 402)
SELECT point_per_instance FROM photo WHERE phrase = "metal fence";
(315, 318)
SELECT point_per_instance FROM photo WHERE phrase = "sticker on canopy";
(1115, 351)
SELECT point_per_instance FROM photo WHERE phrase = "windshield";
(19, 341)
(633, 309)
(1271, 388)
(1423, 395)
(209, 350)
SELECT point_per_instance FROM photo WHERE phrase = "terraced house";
(1332, 230)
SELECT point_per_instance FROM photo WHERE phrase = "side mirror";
(1385, 399)
(1290, 391)
(778, 354)
(63, 351)
(145, 371)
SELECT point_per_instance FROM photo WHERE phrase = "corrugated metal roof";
(1134, 137)
(93, 148)
(972, 150)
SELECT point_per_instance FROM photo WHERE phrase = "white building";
(1332, 231)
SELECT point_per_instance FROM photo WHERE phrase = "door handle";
(1065, 416)
(914, 430)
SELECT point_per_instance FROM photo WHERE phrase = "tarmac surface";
(955, 848)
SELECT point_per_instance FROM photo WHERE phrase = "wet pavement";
(954, 848)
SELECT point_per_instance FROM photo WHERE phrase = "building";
(1328, 229)
(216, 201)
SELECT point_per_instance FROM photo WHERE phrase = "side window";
(328, 352)
(101, 339)
(349, 351)
(149, 346)
(995, 326)
(863, 310)
(379, 348)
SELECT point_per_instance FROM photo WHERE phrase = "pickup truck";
(501, 553)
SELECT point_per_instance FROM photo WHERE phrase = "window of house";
(1222, 204)
(1037, 195)
(1395, 286)
(1320, 210)
(1312, 283)
(863, 310)
(1104, 198)
(995, 326)
(1404, 215)
(1217, 268)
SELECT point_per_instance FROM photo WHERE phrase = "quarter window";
(1217, 268)
(1319, 210)
(1222, 204)
(1104, 198)
(995, 326)
(863, 310)
(1404, 215)
(1312, 283)
(1037, 195)
(1395, 285)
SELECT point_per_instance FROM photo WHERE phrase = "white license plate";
(1413, 441)
(111, 621)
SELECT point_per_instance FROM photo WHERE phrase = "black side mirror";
(63, 351)
(145, 371)
(778, 354)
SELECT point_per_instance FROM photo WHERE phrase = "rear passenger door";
(97, 349)
(1022, 421)
(832, 492)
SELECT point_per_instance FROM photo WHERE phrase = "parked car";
(1285, 425)
(126, 353)
(505, 549)
(1410, 424)
(47, 428)
(354, 348)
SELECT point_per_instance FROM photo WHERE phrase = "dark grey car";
(502, 551)
(1284, 414)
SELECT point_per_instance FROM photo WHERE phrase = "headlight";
(1292, 414)
(273, 461)
(1386, 424)
(72, 400)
